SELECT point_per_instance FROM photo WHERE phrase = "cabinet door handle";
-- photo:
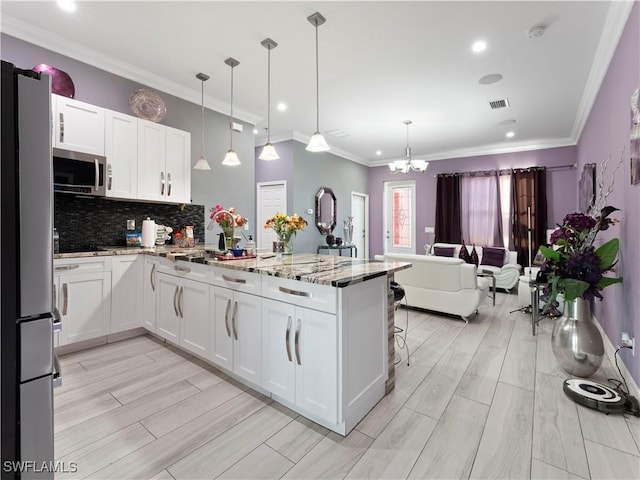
(233, 280)
(161, 183)
(169, 182)
(226, 317)
(182, 269)
(181, 302)
(297, 293)
(65, 298)
(96, 182)
(286, 338)
(175, 301)
(61, 127)
(109, 176)
(297, 342)
(55, 296)
(152, 276)
(233, 320)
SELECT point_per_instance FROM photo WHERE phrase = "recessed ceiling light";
(378, 152)
(479, 46)
(67, 5)
(281, 107)
(510, 135)
(536, 31)
(255, 131)
(489, 79)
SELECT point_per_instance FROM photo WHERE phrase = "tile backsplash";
(86, 223)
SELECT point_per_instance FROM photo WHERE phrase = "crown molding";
(24, 31)
(494, 149)
(614, 24)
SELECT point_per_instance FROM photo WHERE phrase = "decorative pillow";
(444, 251)
(464, 254)
(493, 256)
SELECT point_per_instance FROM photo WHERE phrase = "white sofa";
(447, 285)
(506, 276)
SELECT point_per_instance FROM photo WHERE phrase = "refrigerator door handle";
(57, 320)
(56, 379)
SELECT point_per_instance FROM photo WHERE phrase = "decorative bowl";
(147, 105)
(61, 83)
(338, 241)
(237, 252)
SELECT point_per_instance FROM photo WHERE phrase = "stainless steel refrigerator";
(28, 370)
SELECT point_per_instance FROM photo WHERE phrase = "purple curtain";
(529, 203)
(448, 209)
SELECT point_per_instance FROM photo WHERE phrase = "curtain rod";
(505, 171)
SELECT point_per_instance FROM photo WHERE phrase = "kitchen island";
(313, 332)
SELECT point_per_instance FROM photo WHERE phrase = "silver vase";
(576, 340)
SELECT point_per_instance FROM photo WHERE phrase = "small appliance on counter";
(163, 234)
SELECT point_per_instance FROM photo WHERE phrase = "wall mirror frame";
(325, 210)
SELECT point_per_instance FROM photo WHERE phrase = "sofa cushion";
(492, 256)
(443, 251)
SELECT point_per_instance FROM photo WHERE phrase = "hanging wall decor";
(634, 149)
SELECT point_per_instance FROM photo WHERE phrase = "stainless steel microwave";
(79, 173)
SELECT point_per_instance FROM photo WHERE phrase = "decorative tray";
(224, 258)
(147, 105)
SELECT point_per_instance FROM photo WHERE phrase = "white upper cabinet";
(121, 149)
(163, 163)
(78, 126)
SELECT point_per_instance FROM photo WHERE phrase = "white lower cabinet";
(126, 292)
(236, 337)
(82, 291)
(183, 313)
(149, 283)
(300, 354)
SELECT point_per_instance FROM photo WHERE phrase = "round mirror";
(325, 210)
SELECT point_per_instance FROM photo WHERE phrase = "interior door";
(360, 214)
(400, 217)
(271, 198)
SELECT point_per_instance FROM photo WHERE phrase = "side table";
(486, 273)
(352, 249)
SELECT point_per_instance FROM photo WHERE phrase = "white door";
(271, 198)
(168, 317)
(149, 285)
(400, 217)
(279, 374)
(126, 292)
(360, 214)
(78, 126)
(315, 345)
(152, 181)
(193, 305)
(121, 149)
(247, 334)
(221, 336)
(178, 165)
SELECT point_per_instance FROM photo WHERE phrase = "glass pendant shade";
(317, 143)
(231, 159)
(201, 164)
(269, 153)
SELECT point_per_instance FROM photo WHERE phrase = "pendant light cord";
(269, 96)
(231, 125)
(317, 85)
(202, 123)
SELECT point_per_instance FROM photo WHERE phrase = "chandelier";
(408, 164)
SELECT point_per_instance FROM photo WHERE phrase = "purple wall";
(561, 187)
(607, 133)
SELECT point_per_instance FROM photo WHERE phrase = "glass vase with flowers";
(228, 220)
(286, 227)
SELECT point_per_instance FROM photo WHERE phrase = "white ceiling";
(380, 64)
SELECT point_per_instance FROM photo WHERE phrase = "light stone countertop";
(330, 270)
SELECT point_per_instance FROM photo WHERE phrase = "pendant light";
(201, 163)
(408, 164)
(268, 151)
(231, 158)
(317, 142)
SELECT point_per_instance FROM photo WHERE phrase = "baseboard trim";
(610, 350)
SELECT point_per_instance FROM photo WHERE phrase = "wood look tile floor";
(479, 400)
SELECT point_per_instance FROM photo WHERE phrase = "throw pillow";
(464, 253)
(493, 256)
(444, 251)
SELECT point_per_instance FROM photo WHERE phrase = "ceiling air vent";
(495, 104)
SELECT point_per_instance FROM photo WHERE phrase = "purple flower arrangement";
(574, 267)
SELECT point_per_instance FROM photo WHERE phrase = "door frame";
(365, 196)
(259, 185)
(388, 185)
